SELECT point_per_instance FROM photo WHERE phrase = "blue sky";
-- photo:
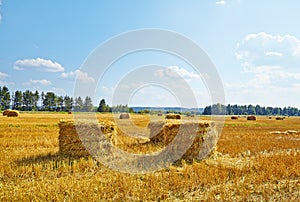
(255, 46)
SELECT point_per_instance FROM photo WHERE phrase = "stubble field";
(256, 161)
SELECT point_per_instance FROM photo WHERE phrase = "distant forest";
(49, 101)
(218, 109)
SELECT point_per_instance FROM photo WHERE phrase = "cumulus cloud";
(271, 70)
(3, 82)
(78, 74)
(221, 2)
(176, 72)
(271, 58)
(58, 91)
(38, 64)
(42, 82)
(266, 49)
(3, 75)
(276, 54)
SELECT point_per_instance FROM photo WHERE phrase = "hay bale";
(173, 116)
(70, 143)
(165, 132)
(12, 113)
(5, 112)
(234, 117)
(124, 116)
(156, 131)
(251, 118)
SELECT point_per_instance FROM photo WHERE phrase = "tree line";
(49, 101)
(219, 109)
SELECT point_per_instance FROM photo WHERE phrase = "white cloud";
(38, 64)
(58, 91)
(176, 72)
(277, 57)
(184, 73)
(18, 68)
(271, 71)
(78, 74)
(254, 47)
(227, 2)
(3, 75)
(221, 2)
(3, 82)
(42, 82)
(270, 53)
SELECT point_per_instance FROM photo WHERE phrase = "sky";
(254, 45)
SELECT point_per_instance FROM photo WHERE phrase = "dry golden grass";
(252, 165)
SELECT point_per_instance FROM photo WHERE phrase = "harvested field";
(251, 164)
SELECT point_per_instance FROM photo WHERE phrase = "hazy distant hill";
(165, 109)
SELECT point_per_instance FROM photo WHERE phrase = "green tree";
(88, 104)
(49, 101)
(251, 110)
(43, 99)
(27, 100)
(60, 103)
(35, 100)
(78, 104)
(215, 109)
(4, 98)
(17, 100)
(229, 110)
(103, 107)
(68, 103)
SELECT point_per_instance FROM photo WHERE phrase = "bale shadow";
(47, 158)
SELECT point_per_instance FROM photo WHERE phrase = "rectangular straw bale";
(156, 131)
(185, 131)
(71, 144)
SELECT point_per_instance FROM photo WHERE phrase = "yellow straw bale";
(71, 144)
(124, 116)
(191, 133)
